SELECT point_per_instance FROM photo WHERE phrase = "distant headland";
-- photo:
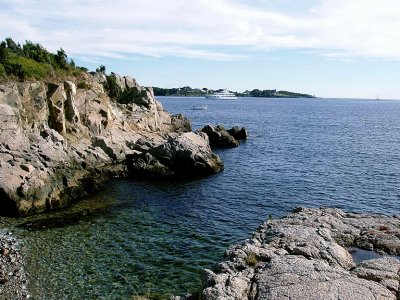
(188, 91)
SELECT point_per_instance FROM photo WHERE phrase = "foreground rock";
(12, 275)
(59, 140)
(305, 256)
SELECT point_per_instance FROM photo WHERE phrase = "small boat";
(224, 95)
(199, 107)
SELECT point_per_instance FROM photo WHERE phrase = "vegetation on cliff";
(33, 61)
(195, 92)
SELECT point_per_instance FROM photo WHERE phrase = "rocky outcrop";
(13, 279)
(219, 137)
(183, 156)
(58, 141)
(238, 133)
(304, 256)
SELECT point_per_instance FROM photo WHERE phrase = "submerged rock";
(304, 256)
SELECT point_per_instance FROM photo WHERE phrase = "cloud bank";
(206, 29)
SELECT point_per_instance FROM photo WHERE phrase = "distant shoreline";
(195, 92)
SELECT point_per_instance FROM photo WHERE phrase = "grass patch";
(23, 67)
(83, 85)
(251, 259)
(2, 71)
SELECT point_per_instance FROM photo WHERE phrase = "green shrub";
(2, 70)
(114, 90)
(251, 259)
(83, 85)
(25, 67)
(133, 95)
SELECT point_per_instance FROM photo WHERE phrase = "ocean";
(154, 238)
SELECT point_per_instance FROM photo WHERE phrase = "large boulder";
(219, 137)
(184, 156)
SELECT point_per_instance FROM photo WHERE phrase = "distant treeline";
(195, 92)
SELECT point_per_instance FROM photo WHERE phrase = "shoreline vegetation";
(188, 91)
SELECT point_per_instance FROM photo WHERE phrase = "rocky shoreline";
(13, 278)
(305, 255)
(60, 139)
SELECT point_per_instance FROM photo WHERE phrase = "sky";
(330, 48)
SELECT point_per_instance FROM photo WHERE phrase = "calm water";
(154, 238)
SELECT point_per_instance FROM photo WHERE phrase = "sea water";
(154, 238)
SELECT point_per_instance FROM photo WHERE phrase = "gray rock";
(238, 133)
(219, 137)
(13, 278)
(187, 155)
(301, 256)
(65, 141)
(180, 123)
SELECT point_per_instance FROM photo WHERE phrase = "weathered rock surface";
(219, 137)
(57, 141)
(12, 274)
(304, 256)
(186, 155)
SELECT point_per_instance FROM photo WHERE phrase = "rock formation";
(58, 140)
(186, 155)
(304, 256)
(220, 137)
(238, 133)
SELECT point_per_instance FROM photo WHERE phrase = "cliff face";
(57, 141)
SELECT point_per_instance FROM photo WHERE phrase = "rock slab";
(304, 256)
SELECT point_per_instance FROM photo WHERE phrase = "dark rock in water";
(220, 137)
(304, 256)
(238, 133)
(186, 155)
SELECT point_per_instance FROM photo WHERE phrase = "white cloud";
(210, 29)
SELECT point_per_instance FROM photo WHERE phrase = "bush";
(26, 68)
(133, 95)
(251, 259)
(2, 70)
(114, 90)
(83, 85)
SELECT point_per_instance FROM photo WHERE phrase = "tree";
(12, 46)
(62, 58)
(72, 63)
(101, 69)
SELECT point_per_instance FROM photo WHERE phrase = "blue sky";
(330, 48)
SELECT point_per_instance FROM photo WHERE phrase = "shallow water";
(154, 238)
